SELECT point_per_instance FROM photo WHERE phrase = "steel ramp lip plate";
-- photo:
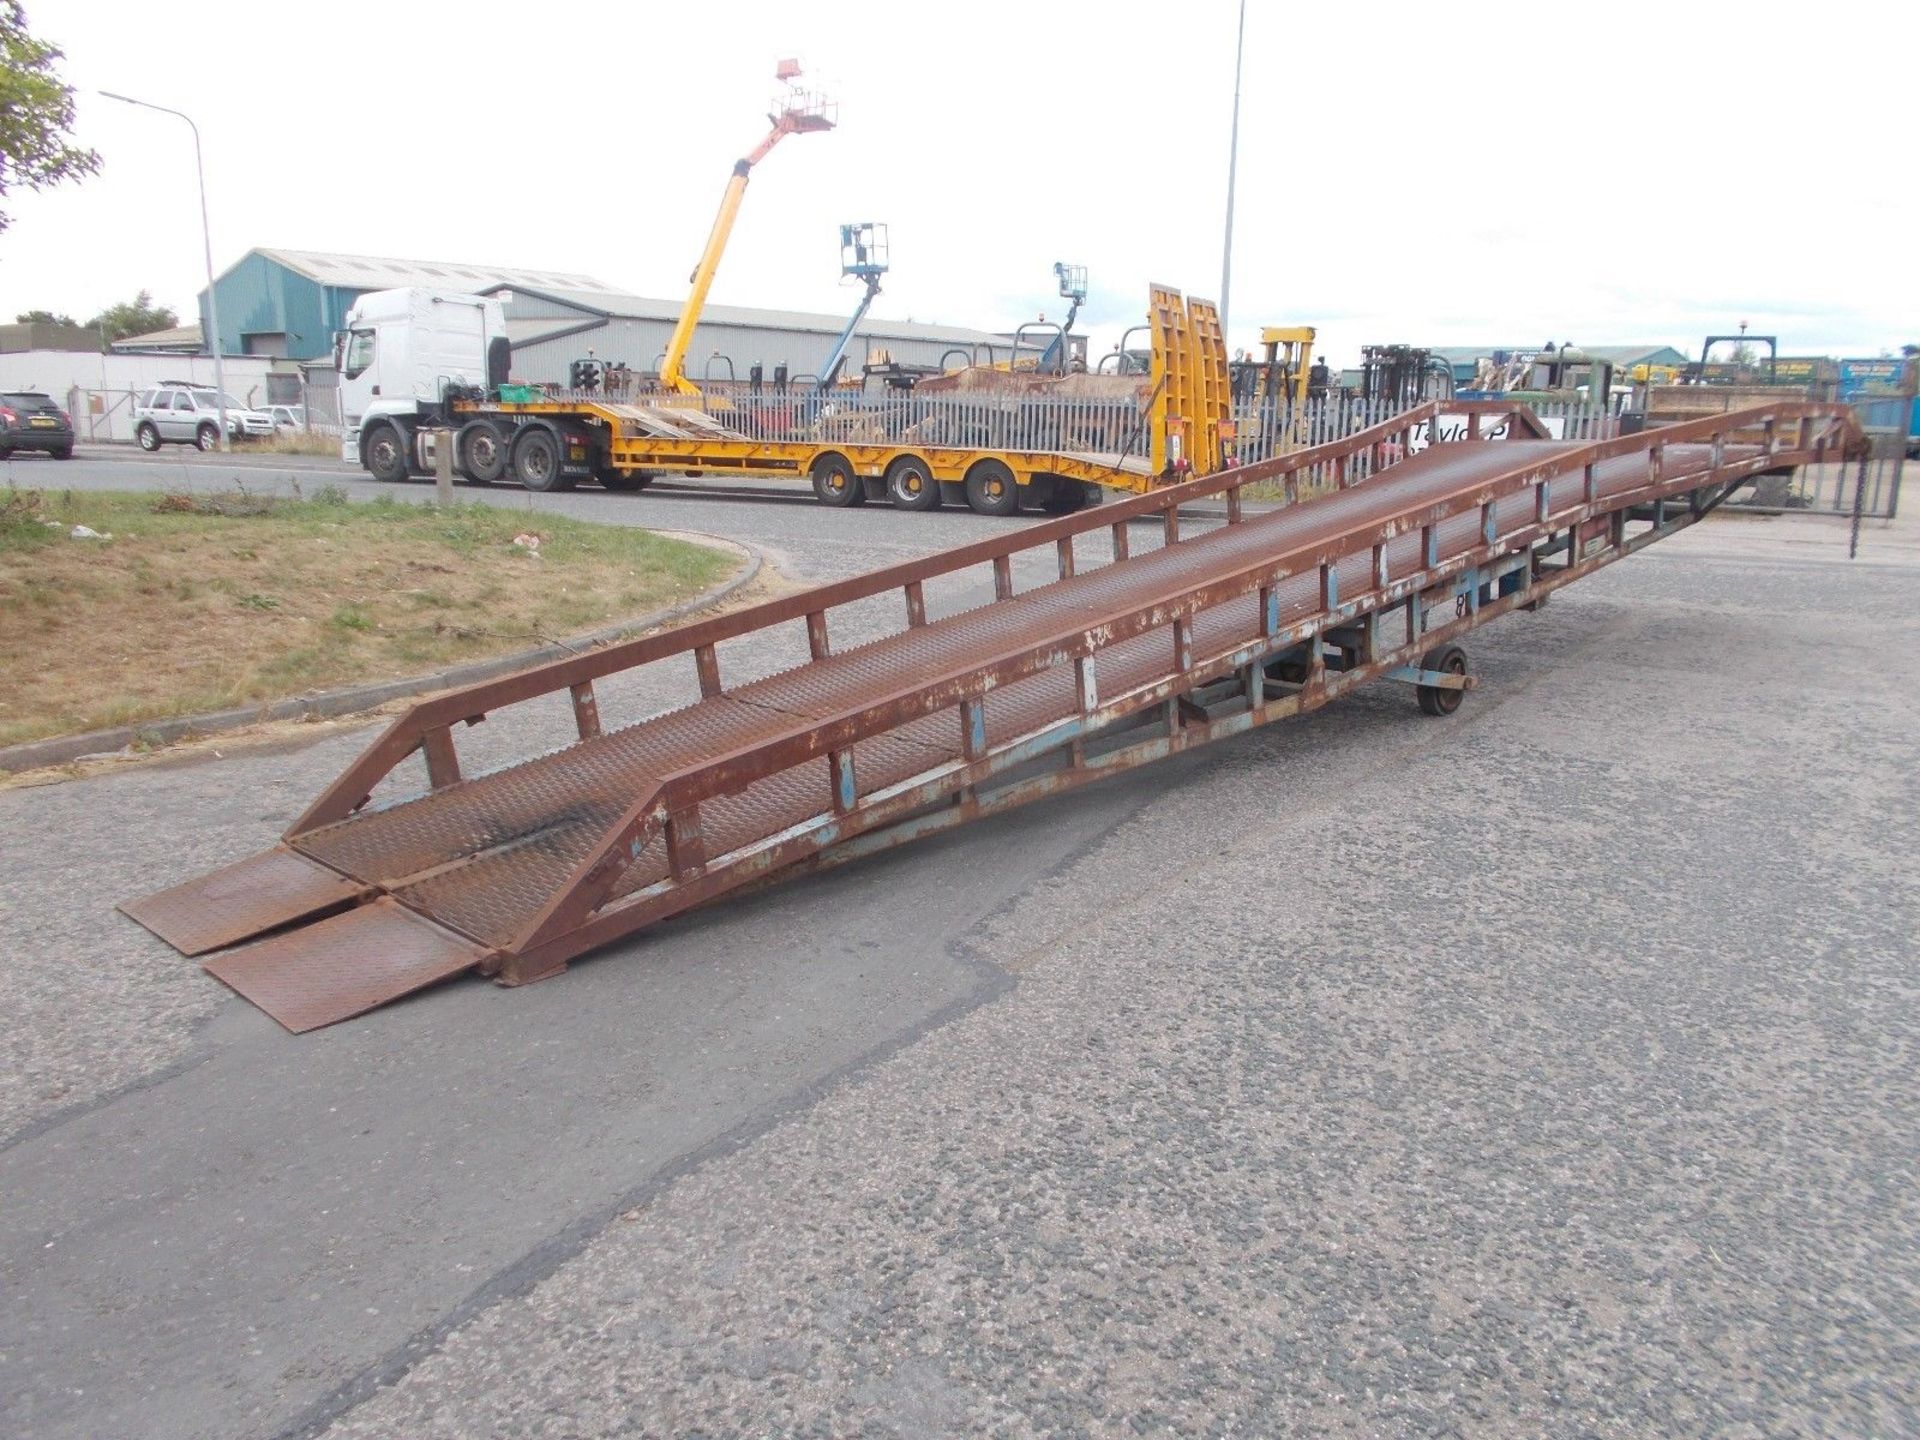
(345, 965)
(237, 902)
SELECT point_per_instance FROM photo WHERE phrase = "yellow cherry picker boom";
(801, 112)
(417, 365)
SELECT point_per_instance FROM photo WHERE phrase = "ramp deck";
(515, 871)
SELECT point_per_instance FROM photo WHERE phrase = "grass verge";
(297, 442)
(199, 602)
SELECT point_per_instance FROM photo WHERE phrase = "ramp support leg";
(443, 764)
(707, 660)
(1087, 684)
(846, 791)
(973, 728)
(586, 710)
(686, 848)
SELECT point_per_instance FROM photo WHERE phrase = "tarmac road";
(1547, 1070)
(805, 538)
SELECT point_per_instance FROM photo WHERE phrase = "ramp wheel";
(910, 484)
(991, 488)
(1438, 699)
(835, 484)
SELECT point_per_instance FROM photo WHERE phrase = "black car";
(31, 421)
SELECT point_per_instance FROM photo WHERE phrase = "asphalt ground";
(1544, 1070)
(804, 538)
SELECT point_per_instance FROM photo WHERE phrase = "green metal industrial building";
(288, 303)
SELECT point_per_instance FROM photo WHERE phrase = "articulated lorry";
(418, 364)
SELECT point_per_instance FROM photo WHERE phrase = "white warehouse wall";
(639, 344)
(98, 390)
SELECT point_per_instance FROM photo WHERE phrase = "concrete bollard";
(443, 467)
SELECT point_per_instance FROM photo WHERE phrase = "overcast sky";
(1425, 174)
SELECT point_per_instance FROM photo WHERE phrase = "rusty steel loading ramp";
(1209, 633)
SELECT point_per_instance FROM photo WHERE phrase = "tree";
(44, 317)
(138, 316)
(36, 112)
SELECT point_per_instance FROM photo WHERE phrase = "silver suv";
(183, 414)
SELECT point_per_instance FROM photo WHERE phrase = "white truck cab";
(415, 363)
(405, 355)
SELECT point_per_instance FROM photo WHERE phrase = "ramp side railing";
(428, 727)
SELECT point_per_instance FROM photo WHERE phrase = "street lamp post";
(206, 240)
(1233, 169)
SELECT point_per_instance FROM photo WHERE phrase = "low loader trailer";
(1171, 637)
(420, 368)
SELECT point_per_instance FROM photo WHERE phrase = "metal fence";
(1867, 489)
(1263, 430)
(980, 420)
(1573, 420)
(105, 416)
(1872, 484)
(321, 404)
(101, 416)
(1114, 427)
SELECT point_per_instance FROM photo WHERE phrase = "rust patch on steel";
(239, 901)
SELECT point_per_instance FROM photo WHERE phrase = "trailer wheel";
(910, 484)
(386, 452)
(536, 460)
(835, 484)
(1438, 699)
(481, 452)
(991, 488)
(622, 482)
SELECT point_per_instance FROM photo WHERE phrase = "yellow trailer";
(1181, 429)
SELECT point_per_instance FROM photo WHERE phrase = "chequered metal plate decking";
(587, 786)
(496, 895)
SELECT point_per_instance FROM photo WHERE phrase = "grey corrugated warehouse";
(552, 328)
(289, 303)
